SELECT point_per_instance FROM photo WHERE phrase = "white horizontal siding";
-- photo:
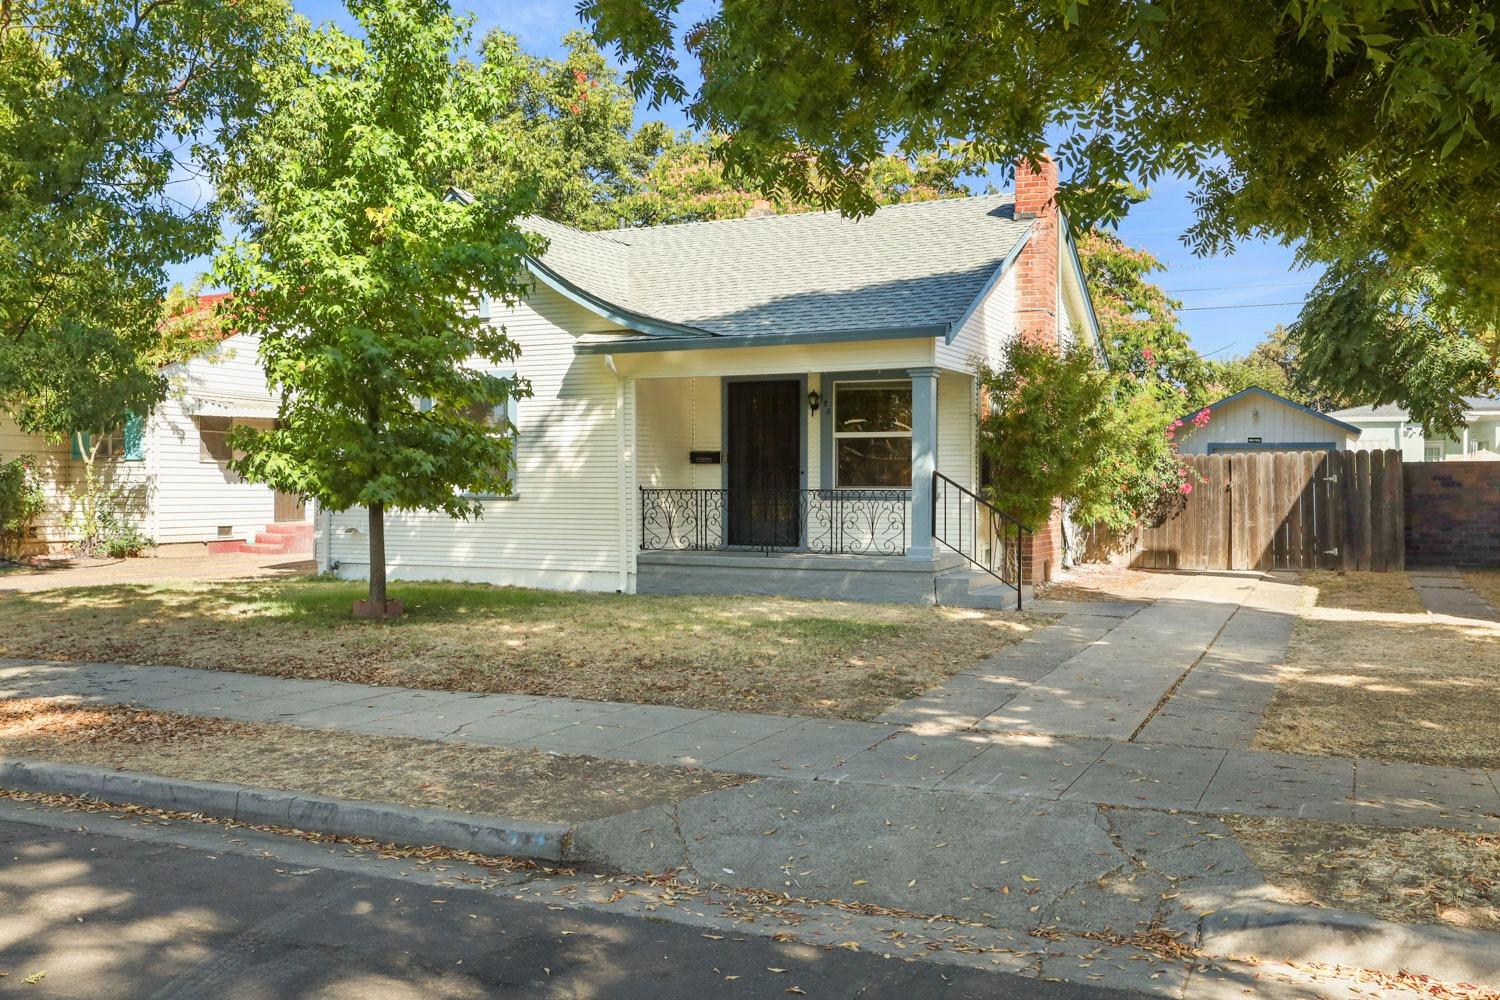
(1274, 422)
(193, 498)
(563, 528)
(56, 472)
(987, 331)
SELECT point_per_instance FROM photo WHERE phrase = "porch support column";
(923, 459)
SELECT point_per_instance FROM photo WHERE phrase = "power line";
(1235, 288)
(1251, 305)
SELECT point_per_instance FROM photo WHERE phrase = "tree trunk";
(377, 557)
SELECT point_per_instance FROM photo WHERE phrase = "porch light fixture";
(813, 400)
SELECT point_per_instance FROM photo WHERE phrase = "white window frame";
(838, 435)
(1433, 446)
(509, 412)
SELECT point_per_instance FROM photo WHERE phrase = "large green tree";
(110, 110)
(595, 169)
(1138, 323)
(1371, 332)
(357, 268)
(1359, 129)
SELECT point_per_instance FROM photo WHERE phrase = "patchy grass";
(1369, 674)
(751, 654)
(519, 784)
(1485, 583)
(1423, 876)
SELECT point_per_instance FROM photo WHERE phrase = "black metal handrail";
(842, 522)
(995, 539)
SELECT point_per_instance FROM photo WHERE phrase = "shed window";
(1432, 452)
(872, 435)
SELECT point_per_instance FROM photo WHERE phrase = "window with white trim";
(1432, 451)
(501, 420)
(872, 435)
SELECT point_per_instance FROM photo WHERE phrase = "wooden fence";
(1285, 510)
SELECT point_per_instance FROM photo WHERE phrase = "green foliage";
(108, 111)
(126, 543)
(1380, 333)
(21, 502)
(1138, 324)
(103, 509)
(572, 122)
(1354, 128)
(1058, 426)
(357, 270)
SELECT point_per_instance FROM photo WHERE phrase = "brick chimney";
(1037, 320)
(760, 209)
(1037, 267)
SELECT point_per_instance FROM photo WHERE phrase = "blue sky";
(1224, 298)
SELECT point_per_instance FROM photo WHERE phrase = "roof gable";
(1256, 390)
(905, 268)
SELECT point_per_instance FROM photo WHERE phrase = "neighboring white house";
(1256, 419)
(757, 405)
(172, 465)
(1392, 427)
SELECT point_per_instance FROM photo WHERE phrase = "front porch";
(843, 485)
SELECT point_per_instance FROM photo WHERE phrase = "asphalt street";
(89, 914)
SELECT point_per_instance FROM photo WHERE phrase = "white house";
(1392, 427)
(1256, 419)
(780, 404)
(172, 465)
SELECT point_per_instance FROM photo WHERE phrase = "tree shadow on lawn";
(723, 653)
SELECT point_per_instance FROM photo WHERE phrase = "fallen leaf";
(797, 990)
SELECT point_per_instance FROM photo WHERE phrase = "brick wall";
(1042, 551)
(1036, 268)
(1452, 513)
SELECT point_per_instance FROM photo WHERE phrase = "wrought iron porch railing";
(840, 522)
(979, 531)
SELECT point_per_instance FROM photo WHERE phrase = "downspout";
(622, 484)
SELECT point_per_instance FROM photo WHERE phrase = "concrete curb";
(381, 821)
(1339, 937)
(1274, 933)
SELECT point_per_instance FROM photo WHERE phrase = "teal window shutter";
(135, 437)
(80, 445)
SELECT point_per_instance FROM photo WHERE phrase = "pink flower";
(1149, 355)
(1185, 489)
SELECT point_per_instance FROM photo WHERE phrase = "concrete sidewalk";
(1444, 592)
(1041, 767)
(1197, 667)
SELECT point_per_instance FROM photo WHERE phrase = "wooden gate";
(1285, 510)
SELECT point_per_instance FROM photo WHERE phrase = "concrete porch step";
(292, 528)
(966, 588)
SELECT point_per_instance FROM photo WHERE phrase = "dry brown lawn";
(820, 658)
(1485, 583)
(1370, 674)
(1411, 876)
(1102, 582)
(520, 784)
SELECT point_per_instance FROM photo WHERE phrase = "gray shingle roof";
(912, 265)
(1390, 411)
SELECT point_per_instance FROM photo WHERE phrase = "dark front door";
(764, 463)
